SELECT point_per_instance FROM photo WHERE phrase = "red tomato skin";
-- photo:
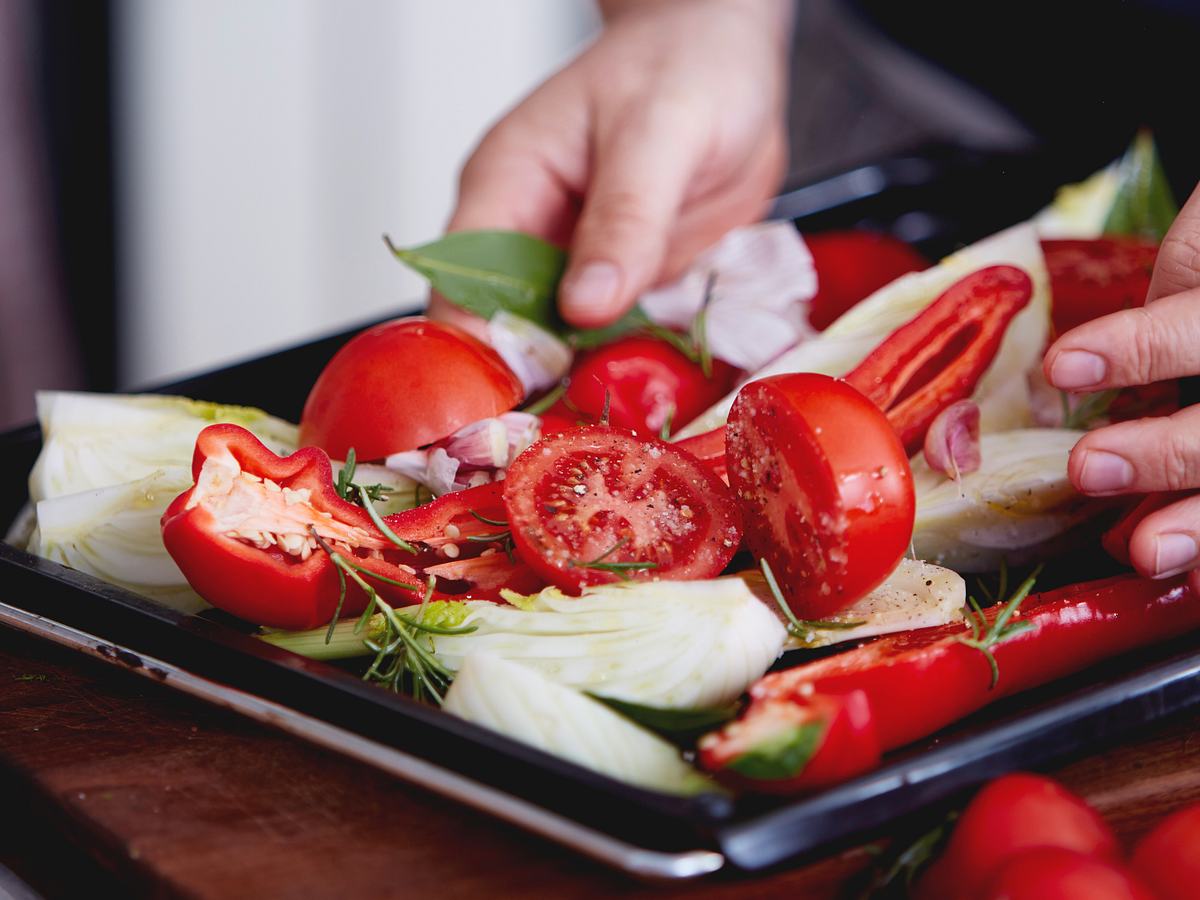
(404, 384)
(852, 265)
(647, 380)
(1168, 858)
(825, 488)
(1092, 278)
(597, 469)
(1057, 873)
(1011, 814)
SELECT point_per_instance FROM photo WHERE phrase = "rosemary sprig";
(404, 649)
(984, 638)
(496, 523)
(351, 492)
(895, 872)
(693, 345)
(801, 628)
(382, 525)
(616, 568)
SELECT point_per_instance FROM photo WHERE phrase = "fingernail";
(594, 286)
(1174, 553)
(1074, 369)
(1103, 472)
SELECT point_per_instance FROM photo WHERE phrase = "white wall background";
(266, 146)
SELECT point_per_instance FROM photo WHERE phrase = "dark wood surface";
(116, 786)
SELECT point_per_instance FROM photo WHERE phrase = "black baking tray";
(946, 191)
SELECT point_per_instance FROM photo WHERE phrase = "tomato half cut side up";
(600, 504)
(824, 486)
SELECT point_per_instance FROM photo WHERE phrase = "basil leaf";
(783, 756)
(681, 726)
(487, 271)
(1143, 205)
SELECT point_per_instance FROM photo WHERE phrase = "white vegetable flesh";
(679, 644)
(917, 594)
(1008, 510)
(522, 704)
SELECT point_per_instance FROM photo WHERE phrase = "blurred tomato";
(852, 265)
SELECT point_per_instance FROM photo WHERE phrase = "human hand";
(1156, 342)
(660, 137)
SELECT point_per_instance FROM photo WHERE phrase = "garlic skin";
(952, 443)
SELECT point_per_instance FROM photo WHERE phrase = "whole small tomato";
(648, 382)
(1014, 813)
(1055, 873)
(823, 481)
(852, 265)
(404, 384)
(1168, 858)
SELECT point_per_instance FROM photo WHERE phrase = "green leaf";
(487, 271)
(1144, 205)
(681, 726)
(587, 338)
(782, 756)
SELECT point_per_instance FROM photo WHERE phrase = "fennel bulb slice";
(520, 703)
(97, 440)
(674, 644)
(1001, 393)
(1018, 500)
(917, 594)
(113, 533)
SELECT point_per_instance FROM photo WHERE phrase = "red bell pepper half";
(918, 682)
(939, 357)
(243, 537)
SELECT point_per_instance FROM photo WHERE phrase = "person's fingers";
(1159, 454)
(1130, 347)
(1167, 542)
(641, 172)
(1178, 265)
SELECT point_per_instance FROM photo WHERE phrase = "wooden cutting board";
(116, 785)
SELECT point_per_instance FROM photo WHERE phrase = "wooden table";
(134, 789)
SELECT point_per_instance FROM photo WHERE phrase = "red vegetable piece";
(824, 485)
(404, 384)
(781, 746)
(939, 357)
(1168, 858)
(1012, 814)
(648, 382)
(241, 536)
(1054, 873)
(1092, 278)
(852, 265)
(709, 448)
(599, 504)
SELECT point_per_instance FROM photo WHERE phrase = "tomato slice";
(824, 485)
(600, 504)
(1092, 278)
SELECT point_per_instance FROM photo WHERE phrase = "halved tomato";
(824, 486)
(600, 504)
(404, 384)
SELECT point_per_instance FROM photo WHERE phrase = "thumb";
(640, 176)
(1177, 268)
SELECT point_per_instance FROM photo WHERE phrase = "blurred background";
(184, 183)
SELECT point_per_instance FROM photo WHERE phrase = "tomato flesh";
(824, 485)
(1092, 278)
(600, 504)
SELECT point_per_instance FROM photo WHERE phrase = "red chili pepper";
(781, 747)
(939, 357)
(918, 682)
(242, 536)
